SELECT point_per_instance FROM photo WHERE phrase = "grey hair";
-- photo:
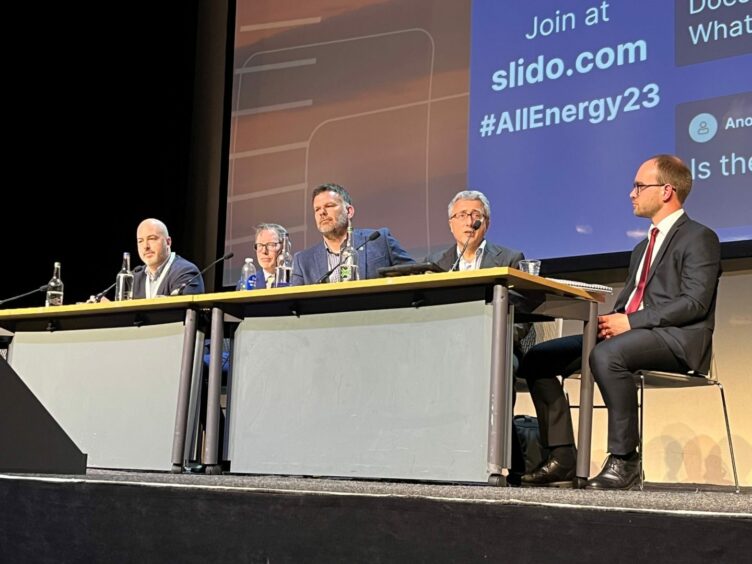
(471, 195)
(278, 229)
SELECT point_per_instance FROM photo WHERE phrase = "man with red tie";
(662, 320)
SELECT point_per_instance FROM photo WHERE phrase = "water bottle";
(247, 276)
(54, 288)
(124, 280)
(348, 270)
(283, 273)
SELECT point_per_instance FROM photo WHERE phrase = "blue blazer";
(181, 271)
(310, 265)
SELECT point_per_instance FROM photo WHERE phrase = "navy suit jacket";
(493, 255)
(680, 293)
(260, 278)
(310, 265)
(180, 272)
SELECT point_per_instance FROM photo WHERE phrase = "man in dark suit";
(164, 270)
(465, 209)
(333, 210)
(469, 219)
(662, 320)
(268, 246)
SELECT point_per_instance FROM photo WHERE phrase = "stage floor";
(127, 516)
(698, 499)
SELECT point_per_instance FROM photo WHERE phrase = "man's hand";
(612, 324)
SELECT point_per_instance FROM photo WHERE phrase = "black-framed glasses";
(268, 247)
(463, 215)
(638, 187)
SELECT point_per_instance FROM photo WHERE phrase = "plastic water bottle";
(348, 271)
(283, 273)
(124, 280)
(247, 276)
(54, 288)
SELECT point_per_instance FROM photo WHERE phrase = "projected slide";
(546, 106)
(568, 98)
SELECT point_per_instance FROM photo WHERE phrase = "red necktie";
(634, 303)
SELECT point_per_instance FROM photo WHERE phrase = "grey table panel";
(114, 391)
(400, 394)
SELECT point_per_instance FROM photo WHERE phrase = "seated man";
(165, 271)
(333, 210)
(466, 208)
(662, 320)
(268, 245)
(469, 220)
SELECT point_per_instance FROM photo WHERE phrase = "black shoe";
(552, 474)
(617, 474)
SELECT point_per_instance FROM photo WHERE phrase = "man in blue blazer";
(662, 320)
(333, 210)
(164, 270)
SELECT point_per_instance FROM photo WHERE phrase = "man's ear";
(350, 211)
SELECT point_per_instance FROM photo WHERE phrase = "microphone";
(475, 226)
(372, 237)
(18, 297)
(100, 295)
(179, 290)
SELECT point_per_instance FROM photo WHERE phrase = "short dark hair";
(331, 187)
(672, 170)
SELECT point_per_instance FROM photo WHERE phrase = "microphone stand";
(475, 226)
(18, 297)
(179, 290)
(372, 237)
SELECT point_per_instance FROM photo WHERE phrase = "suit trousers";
(614, 363)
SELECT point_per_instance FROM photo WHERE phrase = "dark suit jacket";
(680, 294)
(310, 265)
(260, 278)
(180, 271)
(493, 255)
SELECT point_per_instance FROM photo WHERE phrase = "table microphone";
(475, 226)
(18, 297)
(100, 295)
(372, 237)
(179, 290)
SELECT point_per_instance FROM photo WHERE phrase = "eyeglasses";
(462, 216)
(637, 187)
(268, 247)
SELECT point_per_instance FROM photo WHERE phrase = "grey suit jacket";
(680, 293)
(310, 265)
(493, 255)
(180, 271)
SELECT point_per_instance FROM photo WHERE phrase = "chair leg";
(642, 416)
(728, 435)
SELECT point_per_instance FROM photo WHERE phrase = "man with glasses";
(469, 218)
(333, 210)
(268, 246)
(662, 320)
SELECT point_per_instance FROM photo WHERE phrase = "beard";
(335, 228)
